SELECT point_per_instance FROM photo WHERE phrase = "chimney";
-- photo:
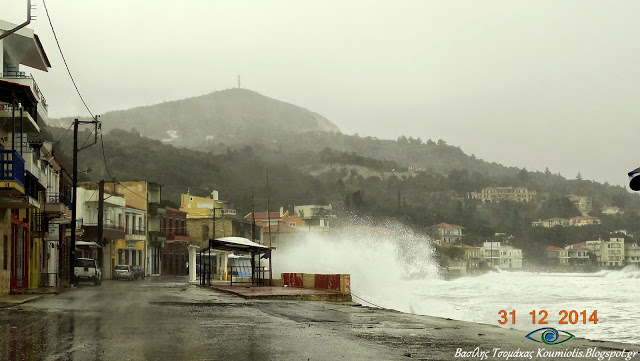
(214, 195)
(281, 211)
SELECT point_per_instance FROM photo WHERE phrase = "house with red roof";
(584, 221)
(472, 256)
(446, 232)
(557, 256)
(578, 254)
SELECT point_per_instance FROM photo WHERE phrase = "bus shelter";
(234, 259)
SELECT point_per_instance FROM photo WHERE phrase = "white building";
(613, 252)
(632, 254)
(501, 255)
(578, 254)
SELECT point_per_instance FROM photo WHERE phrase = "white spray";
(379, 260)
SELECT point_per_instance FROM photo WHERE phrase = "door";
(19, 255)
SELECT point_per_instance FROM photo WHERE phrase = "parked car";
(138, 271)
(86, 269)
(123, 271)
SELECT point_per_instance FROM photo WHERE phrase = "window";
(126, 225)
(292, 224)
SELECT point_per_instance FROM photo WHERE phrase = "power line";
(104, 157)
(85, 141)
(62, 137)
(65, 60)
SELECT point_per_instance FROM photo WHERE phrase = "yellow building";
(200, 221)
(200, 207)
(128, 253)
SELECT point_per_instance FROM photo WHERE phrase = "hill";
(311, 162)
(229, 116)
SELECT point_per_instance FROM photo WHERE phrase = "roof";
(280, 228)
(445, 225)
(263, 215)
(235, 244)
(174, 210)
(26, 47)
(85, 243)
(578, 218)
(578, 245)
(557, 219)
(552, 248)
(465, 246)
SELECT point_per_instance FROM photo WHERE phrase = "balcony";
(26, 90)
(32, 165)
(57, 200)
(177, 235)
(156, 209)
(111, 230)
(7, 114)
(136, 234)
(39, 223)
(157, 237)
(79, 229)
(11, 173)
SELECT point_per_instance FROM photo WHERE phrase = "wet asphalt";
(168, 319)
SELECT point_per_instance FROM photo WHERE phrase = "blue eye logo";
(549, 336)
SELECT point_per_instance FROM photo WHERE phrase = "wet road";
(167, 319)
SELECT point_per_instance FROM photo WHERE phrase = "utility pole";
(269, 218)
(253, 218)
(101, 214)
(72, 246)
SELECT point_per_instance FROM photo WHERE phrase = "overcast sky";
(524, 83)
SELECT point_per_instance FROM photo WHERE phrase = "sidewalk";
(18, 299)
(282, 293)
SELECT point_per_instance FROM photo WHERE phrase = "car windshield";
(126, 268)
(85, 263)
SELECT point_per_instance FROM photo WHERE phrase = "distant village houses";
(505, 194)
(612, 210)
(614, 252)
(557, 256)
(444, 232)
(551, 222)
(500, 255)
(584, 221)
(583, 204)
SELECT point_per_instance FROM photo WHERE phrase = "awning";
(85, 243)
(235, 244)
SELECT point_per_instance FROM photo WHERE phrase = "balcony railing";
(137, 230)
(36, 88)
(39, 222)
(31, 186)
(79, 223)
(59, 198)
(11, 166)
(107, 224)
(177, 232)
